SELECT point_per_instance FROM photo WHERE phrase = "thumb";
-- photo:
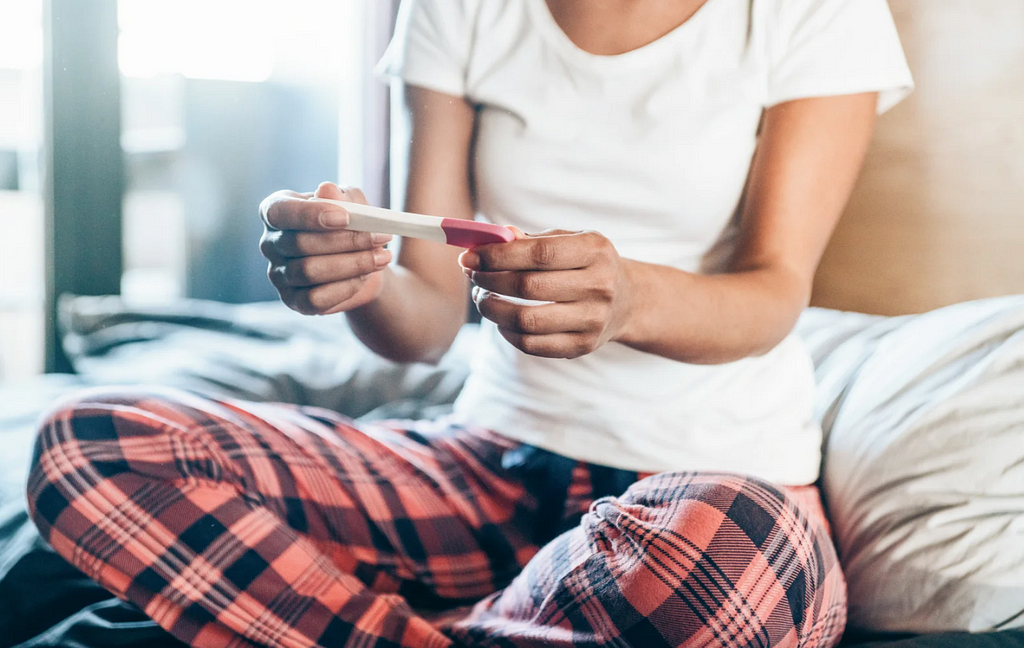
(331, 191)
(520, 234)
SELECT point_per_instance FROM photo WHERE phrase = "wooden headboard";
(938, 215)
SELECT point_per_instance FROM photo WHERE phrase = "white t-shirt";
(651, 148)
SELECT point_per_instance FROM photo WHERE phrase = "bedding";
(265, 352)
(924, 472)
(260, 352)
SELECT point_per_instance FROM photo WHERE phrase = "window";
(21, 205)
(222, 103)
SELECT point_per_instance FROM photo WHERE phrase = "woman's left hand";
(580, 275)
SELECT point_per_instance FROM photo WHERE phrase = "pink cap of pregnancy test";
(467, 233)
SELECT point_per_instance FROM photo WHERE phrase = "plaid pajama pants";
(243, 524)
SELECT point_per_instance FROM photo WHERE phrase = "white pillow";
(924, 463)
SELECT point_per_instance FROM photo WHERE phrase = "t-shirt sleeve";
(824, 48)
(431, 46)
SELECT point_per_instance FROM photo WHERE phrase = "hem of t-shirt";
(798, 471)
(428, 79)
(890, 91)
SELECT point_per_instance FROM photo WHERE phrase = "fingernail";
(334, 218)
(381, 257)
(469, 273)
(475, 293)
(380, 239)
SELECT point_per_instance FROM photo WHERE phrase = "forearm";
(710, 319)
(807, 162)
(424, 298)
(411, 320)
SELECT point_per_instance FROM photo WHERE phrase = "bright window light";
(21, 34)
(234, 40)
(224, 39)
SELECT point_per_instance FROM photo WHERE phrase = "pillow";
(924, 463)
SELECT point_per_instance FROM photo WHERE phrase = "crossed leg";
(236, 524)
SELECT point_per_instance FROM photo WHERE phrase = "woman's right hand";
(317, 266)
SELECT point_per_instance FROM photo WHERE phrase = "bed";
(934, 221)
(265, 352)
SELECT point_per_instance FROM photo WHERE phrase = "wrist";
(630, 296)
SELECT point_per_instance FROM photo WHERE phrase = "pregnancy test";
(453, 231)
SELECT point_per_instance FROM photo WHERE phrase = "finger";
(519, 234)
(317, 270)
(267, 246)
(324, 299)
(552, 285)
(559, 252)
(283, 211)
(534, 319)
(551, 232)
(276, 197)
(291, 244)
(288, 210)
(558, 345)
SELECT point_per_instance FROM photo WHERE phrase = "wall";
(938, 216)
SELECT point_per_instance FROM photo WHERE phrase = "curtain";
(380, 17)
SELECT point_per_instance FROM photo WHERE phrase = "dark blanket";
(47, 602)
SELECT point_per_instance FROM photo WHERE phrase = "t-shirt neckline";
(546, 22)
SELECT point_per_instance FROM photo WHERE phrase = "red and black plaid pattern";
(240, 524)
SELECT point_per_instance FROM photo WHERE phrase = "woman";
(633, 457)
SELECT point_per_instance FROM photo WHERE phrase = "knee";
(721, 540)
(85, 438)
(99, 415)
(747, 506)
(689, 501)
